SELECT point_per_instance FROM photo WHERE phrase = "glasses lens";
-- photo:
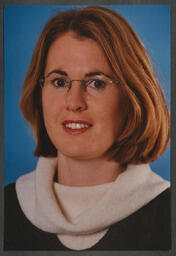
(57, 81)
(98, 85)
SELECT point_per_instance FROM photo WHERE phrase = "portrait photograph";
(87, 128)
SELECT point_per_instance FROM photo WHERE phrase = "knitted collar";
(35, 192)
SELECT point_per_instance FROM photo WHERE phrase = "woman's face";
(82, 121)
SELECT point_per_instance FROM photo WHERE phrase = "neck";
(74, 172)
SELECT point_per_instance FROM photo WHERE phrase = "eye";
(97, 83)
(59, 82)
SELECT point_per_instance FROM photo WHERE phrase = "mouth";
(75, 127)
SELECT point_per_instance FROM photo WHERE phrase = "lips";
(76, 126)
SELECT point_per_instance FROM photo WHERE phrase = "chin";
(73, 151)
(81, 150)
(82, 154)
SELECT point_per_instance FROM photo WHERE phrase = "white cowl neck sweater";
(81, 216)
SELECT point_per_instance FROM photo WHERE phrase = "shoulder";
(9, 188)
(19, 232)
(162, 201)
(12, 215)
(24, 186)
(149, 228)
(155, 216)
(15, 222)
(11, 207)
(156, 212)
(10, 197)
(11, 203)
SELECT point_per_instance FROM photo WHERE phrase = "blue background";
(22, 26)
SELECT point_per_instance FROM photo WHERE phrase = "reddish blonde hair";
(146, 130)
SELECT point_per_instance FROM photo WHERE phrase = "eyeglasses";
(95, 85)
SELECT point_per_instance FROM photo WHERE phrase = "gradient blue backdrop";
(22, 26)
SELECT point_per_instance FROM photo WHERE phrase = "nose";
(75, 98)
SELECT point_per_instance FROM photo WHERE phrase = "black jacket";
(149, 228)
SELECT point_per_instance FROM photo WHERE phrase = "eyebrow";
(97, 74)
(56, 71)
(63, 73)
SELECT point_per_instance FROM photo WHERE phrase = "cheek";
(114, 116)
(51, 106)
(111, 110)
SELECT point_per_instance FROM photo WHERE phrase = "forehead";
(72, 52)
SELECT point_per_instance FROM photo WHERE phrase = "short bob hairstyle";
(146, 130)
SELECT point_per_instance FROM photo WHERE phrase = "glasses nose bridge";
(78, 91)
(77, 80)
(76, 98)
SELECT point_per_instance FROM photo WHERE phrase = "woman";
(99, 117)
